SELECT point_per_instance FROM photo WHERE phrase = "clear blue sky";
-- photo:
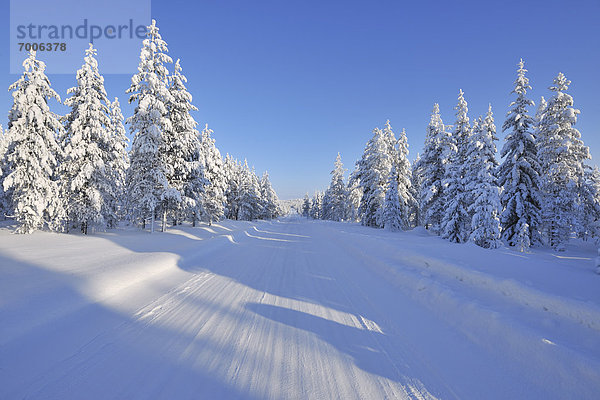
(288, 84)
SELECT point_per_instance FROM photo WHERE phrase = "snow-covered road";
(289, 310)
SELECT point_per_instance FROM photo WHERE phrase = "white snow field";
(293, 309)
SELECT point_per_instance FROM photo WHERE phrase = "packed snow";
(292, 309)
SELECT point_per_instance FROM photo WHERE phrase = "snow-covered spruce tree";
(214, 196)
(3, 169)
(193, 189)
(32, 152)
(404, 175)
(270, 207)
(416, 182)
(482, 185)
(590, 198)
(456, 222)
(391, 145)
(306, 206)
(519, 172)
(562, 154)
(326, 206)
(85, 183)
(539, 138)
(249, 200)
(183, 154)
(233, 178)
(432, 166)
(372, 171)
(393, 218)
(147, 185)
(116, 166)
(336, 193)
(316, 206)
(354, 191)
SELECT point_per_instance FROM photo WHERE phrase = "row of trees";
(542, 192)
(75, 171)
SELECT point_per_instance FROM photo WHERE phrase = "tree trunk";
(164, 220)
(152, 222)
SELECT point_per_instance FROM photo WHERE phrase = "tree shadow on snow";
(57, 343)
(362, 344)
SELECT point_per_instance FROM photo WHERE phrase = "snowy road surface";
(292, 310)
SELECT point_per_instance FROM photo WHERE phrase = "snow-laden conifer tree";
(214, 195)
(326, 206)
(354, 198)
(456, 222)
(233, 177)
(404, 175)
(432, 166)
(562, 154)
(194, 191)
(32, 152)
(316, 206)
(590, 207)
(372, 171)
(3, 170)
(519, 172)
(539, 138)
(183, 154)
(392, 149)
(393, 218)
(116, 165)
(85, 181)
(416, 182)
(249, 197)
(306, 206)
(482, 184)
(147, 184)
(336, 193)
(269, 198)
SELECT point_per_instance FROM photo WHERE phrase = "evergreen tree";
(354, 191)
(233, 177)
(3, 170)
(562, 154)
(371, 174)
(432, 167)
(32, 152)
(519, 172)
(316, 206)
(393, 219)
(404, 186)
(116, 165)
(336, 193)
(416, 183)
(326, 206)
(271, 202)
(249, 199)
(482, 185)
(214, 196)
(590, 207)
(183, 155)
(456, 223)
(306, 206)
(147, 184)
(86, 185)
(392, 149)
